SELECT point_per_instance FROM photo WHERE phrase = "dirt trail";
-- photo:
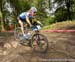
(61, 46)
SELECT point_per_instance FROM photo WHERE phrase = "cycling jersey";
(23, 16)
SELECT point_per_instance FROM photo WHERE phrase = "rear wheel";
(17, 33)
(39, 43)
(19, 36)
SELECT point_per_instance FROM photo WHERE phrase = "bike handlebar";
(36, 28)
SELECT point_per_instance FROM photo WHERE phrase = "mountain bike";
(37, 41)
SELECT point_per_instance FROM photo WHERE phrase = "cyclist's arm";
(39, 23)
(28, 21)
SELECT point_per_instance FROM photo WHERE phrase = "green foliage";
(60, 25)
(23, 5)
(41, 14)
(61, 14)
(48, 20)
(20, 5)
(70, 8)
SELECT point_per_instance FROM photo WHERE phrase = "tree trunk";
(68, 9)
(2, 23)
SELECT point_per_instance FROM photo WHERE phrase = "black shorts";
(23, 20)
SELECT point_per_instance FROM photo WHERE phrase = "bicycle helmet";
(33, 9)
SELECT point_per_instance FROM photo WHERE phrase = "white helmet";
(33, 9)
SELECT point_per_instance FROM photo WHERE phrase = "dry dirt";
(61, 49)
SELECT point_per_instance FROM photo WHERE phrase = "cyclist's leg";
(22, 26)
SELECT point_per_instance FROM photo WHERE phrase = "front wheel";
(39, 43)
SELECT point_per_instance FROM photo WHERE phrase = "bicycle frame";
(33, 32)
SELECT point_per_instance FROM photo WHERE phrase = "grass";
(60, 25)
